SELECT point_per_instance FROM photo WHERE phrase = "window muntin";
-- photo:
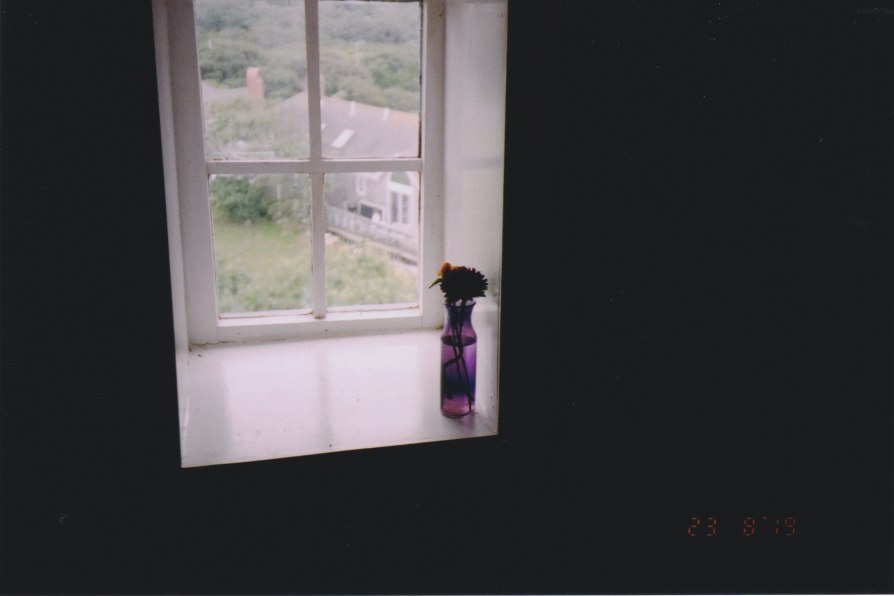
(253, 129)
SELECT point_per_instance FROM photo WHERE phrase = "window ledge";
(250, 402)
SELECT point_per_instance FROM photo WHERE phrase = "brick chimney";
(254, 82)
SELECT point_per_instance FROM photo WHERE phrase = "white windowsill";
(250, 402)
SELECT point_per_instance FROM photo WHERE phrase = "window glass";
(253, 66)
(371, 258)
(261, 227)
(370, 64)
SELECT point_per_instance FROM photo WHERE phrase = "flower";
(460, 283)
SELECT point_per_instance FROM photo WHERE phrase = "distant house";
(381, 207)
(352, 129)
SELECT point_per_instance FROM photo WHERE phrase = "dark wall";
(697, 322)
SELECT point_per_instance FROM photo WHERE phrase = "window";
(401, 186)
(285, 115)
(370, 211)
(303, 146)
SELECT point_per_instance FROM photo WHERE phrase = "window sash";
(179, 86)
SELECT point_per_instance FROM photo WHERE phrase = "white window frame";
(187, 170)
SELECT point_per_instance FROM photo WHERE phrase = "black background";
(697, 321)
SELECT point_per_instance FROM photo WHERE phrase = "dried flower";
(460, 283)
(445, 268)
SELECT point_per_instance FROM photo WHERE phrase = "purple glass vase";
(458, 360)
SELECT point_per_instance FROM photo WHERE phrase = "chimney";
(254, 82)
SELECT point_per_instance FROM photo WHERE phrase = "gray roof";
(350, 129)
(354, 129)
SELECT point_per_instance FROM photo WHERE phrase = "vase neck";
(469, 305)
(459, 315)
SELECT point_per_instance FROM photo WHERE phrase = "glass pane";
(261, 242)
(253, 65)
(370, 64)
(372, 238)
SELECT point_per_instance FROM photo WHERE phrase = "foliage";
(369, 51)
(266, 266)
(261, 266)
(382, 22)
(241, 199)
(285, 71)
(236, 35)
(363, 274)
(374, 74)
(225, 61)
(394, 66)
(218, 15)
(242, 125)
(401, 99)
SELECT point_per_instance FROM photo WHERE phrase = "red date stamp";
(748, 526)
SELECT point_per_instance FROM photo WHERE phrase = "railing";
(357, 227)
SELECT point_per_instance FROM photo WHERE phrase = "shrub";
(241, 200)
(227, 60)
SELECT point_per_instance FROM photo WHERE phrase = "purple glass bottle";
(458, 360)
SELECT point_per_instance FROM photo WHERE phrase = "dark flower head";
(460, 283)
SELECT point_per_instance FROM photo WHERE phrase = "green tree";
(241, 125)
(285, 71)
(282, 199)
(386, 22)
(240, 200)
(224, 60)
(218, 15)
(394, 66)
